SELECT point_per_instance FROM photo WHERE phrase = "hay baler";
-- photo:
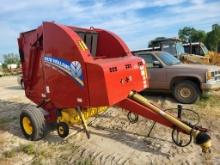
(73, 73)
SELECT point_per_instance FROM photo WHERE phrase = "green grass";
(25, 148)
(10, 153)
(28, 149)
(210, 102)
(86, 161)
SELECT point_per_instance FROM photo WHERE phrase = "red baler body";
(78, 67)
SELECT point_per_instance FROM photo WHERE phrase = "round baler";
(73, 73)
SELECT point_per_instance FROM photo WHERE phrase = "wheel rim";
(27, 125)
(185, 92)
(61, 130)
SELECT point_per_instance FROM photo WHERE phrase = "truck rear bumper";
(211, 86)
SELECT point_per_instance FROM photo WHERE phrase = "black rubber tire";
(194, 89)
(37, 121)
(65, 129)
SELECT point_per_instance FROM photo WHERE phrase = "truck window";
(170, 48)
(180, 49)
(149, 59)
(204, 49)
(186, 49)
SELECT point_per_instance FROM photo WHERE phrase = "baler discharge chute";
(75, 73)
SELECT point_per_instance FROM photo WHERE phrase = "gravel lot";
(113, 139)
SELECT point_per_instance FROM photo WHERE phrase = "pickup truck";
(175, 47)
(186, 82)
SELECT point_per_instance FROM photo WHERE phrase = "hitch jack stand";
(85, 127)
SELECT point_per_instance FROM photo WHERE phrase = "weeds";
(10, 153)
(27, 149)
(85, 162)
(209, 102)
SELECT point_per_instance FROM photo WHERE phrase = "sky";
(135, 21)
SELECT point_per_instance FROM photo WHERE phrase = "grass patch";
(209, 102)
(10, 153)
(25, 148)
(28, 149)
(85, 162)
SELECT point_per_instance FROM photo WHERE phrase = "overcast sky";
(135, 21)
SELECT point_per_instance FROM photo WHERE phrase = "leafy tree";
(189, 34)
(10, 58)
(185, 34)
(213, 38)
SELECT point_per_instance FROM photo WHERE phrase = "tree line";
(10, 58)
(210, 39)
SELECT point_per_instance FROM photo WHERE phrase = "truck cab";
(175, 47)
(197, 48)
(171, 45)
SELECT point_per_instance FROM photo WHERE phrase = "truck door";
(156, 74)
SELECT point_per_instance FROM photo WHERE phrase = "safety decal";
(73, 68)
(82, 45)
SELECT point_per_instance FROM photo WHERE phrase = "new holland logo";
(73, 68)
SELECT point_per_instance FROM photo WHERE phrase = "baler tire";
(65, 129)
(192, 87)
(37, 123)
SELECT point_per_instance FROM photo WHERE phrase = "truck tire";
(186, 92)
(33, 123)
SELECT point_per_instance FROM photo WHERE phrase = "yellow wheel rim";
(27, 125)
(61, 130)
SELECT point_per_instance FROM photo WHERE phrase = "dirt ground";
(114, 140)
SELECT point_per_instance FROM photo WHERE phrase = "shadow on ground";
(9, 121)
(141, 143)
(14, 87)
(158, 96)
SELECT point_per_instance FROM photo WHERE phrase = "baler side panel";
(62, 43)
(124, 80)
(31, 64)
(97, 85)
(114, 78)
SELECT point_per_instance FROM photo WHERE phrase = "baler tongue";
(138, 104)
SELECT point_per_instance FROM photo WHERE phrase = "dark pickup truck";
(187, 82)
